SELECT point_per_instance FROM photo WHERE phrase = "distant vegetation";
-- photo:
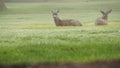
(55, 0)
(43, 0)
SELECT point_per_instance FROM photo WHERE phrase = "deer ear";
(51, 11)
(58, 11)
(109, 11)
(102, 12)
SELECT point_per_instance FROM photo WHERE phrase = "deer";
(68, 22)
(104, 19)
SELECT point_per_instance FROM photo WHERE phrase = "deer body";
(103, 20)
(69, 22)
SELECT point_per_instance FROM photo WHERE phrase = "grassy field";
(28, 33)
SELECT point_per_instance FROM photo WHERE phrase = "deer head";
(105, 14)
(55, 13)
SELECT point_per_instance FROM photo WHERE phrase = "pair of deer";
(70, 22)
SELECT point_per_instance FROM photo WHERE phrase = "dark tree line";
(2, 5)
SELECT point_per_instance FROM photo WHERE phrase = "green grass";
(28, 33)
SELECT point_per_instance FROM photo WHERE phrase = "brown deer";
(103, 20)
(69, 22)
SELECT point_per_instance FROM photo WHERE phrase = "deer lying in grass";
(103, 20)
(69, 22)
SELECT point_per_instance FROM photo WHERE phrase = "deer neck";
(105, 17)
(57, 20)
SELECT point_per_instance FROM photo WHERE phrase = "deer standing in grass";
(69, 22)
(103, 20)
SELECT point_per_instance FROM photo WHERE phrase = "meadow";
(28, 33)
